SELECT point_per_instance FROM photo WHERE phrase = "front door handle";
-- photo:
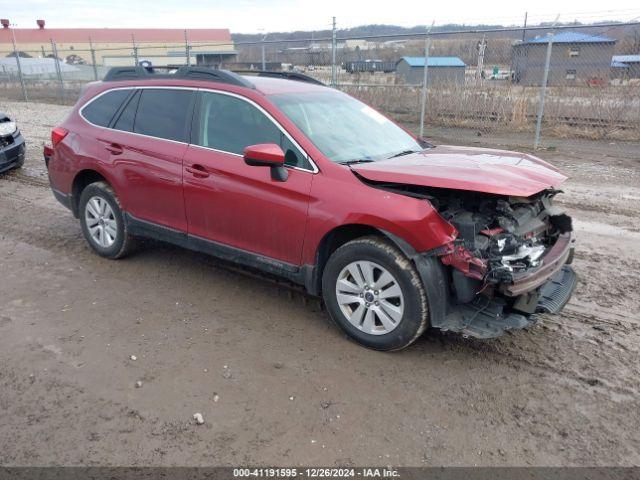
(114, 148)
(197, 171)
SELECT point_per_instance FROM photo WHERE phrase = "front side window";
(101, 110)
(230, 124)
(163, 113)
(343, 128)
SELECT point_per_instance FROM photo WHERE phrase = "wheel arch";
(83, 178)
(340, 235)
(430, 269)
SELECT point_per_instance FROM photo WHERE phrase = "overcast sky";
(246, 16)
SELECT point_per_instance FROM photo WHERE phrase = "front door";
(235, 204)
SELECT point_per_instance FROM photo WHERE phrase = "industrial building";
(440, 70)
(119, 46)
(626, 66)
(576, 58)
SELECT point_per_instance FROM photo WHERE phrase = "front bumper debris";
(552, 262)
(555, 294)
(489, 318)
(12, 152)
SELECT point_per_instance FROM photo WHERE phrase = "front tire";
(102, 221)
(374, 293)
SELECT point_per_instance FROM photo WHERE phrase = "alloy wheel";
(370, 297)
(101, 222)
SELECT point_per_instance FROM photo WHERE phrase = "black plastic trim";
(555, 294)
(116, 74)
(433, 276)
(436, 286)
(485, 318)
(143, 228)
(63, 198)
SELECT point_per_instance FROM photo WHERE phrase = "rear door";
(232, 203)
(145, 144)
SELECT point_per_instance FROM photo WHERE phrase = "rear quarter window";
(101, 110)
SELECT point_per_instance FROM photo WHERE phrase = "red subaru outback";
(302, 181)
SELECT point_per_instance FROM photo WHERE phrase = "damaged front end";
(509, 261)
(511, 253)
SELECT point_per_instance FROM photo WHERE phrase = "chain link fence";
(545, 82)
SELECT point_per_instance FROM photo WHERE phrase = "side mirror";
(267, 155)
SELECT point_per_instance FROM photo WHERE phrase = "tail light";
(57, 134)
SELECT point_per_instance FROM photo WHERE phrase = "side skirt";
(297, 274)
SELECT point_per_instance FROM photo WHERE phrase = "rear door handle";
(197, 171)
(114, 148)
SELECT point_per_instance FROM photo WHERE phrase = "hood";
(498, 172)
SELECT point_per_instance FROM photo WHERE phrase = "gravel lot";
(275, 382)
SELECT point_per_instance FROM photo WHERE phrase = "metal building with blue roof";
(441, 70)
(576, 59)
(626, 66)
(572, 37)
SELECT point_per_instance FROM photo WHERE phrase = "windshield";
(343, 128)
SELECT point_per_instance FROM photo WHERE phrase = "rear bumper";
(12, 154)
(62, 197)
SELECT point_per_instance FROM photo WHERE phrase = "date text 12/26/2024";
(373, 472)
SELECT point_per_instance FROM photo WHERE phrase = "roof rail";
(193, 73)
(300, 77)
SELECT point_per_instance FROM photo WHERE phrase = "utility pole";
(135, 49)
(333, 54)
(543, 87)
(17, 55)
(524, 28)
(423, 106)
(93, 60)
(187, 48)
(56, 59)
(479, 72)
(264, 60)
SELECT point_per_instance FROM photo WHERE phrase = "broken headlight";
(7, 128)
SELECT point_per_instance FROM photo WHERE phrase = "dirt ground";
(276, 382)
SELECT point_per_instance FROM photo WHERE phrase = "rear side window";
(128, 114)
(163, 113)
(101, 110)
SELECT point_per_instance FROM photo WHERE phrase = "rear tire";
(374, 293)
(102, 222)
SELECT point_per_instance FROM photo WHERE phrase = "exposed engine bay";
(509, 235)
